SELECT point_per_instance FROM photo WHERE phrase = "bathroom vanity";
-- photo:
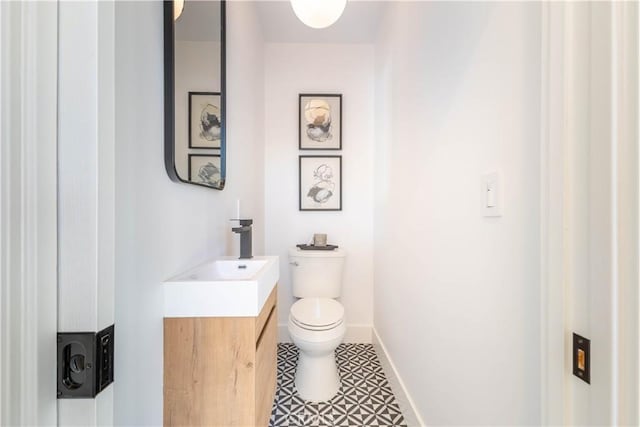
(220, 344)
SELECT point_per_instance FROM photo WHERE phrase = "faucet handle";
(243, 222)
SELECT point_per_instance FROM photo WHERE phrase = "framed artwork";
(204, 120)
(320, 182)
(320, 121)
(204, 169)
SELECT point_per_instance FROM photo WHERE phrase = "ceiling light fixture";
(318, 13)
(178, 7)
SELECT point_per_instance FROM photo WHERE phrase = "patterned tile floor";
(364, 399)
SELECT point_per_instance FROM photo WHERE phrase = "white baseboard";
(411, 415)
(360, 334)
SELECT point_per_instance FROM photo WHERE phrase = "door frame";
(559, 99)
(28, 212)
(552, 189)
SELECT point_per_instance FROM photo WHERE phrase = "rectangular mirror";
(194, 66)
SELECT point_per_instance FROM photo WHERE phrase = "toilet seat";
(317, 314)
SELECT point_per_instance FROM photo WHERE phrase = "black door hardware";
(85, 363)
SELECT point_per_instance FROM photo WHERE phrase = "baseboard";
(411, 415)
(355, 334)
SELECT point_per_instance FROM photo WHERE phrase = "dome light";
(178, 7)
(318, 13)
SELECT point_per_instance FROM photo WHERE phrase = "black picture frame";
(192, 119)
(319, 185)
(304, 141)
(213, 183)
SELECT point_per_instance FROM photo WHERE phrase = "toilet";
(316, 320)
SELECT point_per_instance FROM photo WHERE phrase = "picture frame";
(319, 121)
(320, 183)
(205, 169)
(205, 125)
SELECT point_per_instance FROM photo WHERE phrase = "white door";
(86, 186)
(57, 200)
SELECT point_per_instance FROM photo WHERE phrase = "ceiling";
(358, 24)
(199, 21)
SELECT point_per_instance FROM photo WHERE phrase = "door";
(86, 186)
(57, 200)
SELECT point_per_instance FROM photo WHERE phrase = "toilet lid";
(312, 313)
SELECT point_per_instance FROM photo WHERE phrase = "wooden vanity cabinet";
(220, 371)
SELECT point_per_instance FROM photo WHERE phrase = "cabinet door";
(209, 371)
(266, 368)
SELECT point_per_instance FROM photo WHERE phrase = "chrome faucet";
(245, 237)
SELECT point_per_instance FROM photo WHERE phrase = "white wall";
(162, 227)
(292, 69)
(457, 294)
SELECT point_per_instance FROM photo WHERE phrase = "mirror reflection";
(198, 144)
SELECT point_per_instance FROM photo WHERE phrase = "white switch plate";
(492, 194)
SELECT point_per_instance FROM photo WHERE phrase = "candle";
(238, 209)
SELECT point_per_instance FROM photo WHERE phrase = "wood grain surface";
(216, 373)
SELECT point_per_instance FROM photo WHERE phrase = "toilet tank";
(316, 273)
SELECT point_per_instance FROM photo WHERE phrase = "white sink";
(225, 287)
(223, 269)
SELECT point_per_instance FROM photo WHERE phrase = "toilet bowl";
(317, 327)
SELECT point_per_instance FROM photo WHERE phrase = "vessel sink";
(224, 287)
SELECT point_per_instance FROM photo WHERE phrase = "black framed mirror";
(195, 92)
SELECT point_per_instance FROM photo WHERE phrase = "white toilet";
(316, 320)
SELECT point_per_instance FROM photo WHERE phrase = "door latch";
(582, 358)
(85, 363)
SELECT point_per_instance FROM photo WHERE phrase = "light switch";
(492, 194)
